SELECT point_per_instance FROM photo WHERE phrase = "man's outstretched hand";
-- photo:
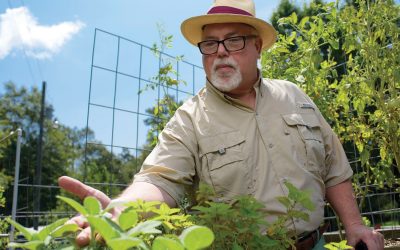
(81, 190)
(137, 190)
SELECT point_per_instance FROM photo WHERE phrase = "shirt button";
(271, 145)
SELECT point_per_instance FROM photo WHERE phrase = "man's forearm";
(342, 199)
(147, 192)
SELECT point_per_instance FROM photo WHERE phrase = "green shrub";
(240, 224)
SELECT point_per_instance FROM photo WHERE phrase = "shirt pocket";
(308, 137)
(223, 160)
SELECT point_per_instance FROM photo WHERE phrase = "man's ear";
(259, 43)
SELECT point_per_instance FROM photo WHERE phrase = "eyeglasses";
(231, 44)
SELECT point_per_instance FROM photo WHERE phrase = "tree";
(286, 8)
(20, 108)
(347, 60)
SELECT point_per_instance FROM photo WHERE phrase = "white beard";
(226, 82)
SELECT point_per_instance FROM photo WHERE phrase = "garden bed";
(391, 234)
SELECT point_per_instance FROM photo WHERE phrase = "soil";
(392, 243)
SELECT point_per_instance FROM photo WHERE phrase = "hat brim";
(192, 28)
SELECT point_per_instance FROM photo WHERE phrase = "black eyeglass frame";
(223, 43)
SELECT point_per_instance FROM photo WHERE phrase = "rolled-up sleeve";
(337, 166)
(171, 164)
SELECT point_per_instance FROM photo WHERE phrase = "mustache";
(224, 62)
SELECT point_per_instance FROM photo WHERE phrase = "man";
(242, 134)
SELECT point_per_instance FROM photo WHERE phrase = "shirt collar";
(230, 100)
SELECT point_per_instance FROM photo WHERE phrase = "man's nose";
(221, 51)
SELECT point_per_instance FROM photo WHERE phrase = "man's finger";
(83, 238)
(379, 239)
(81, 190)
(79, 220)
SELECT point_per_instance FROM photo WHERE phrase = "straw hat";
(229, 11)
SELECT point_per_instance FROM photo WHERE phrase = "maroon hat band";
(228, 10)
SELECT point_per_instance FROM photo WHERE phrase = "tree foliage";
(347, 60)
(20, 108)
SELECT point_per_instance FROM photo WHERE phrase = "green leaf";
(282, 49)
(70, 247)
(334, 44)
(147, 227)
(383, 153)
(396, 75)
(92, 205)
(330, 247)
(307, 202)
(105, 229)
(66, 228)
(299, 214)
(394, 103)
(197, 237)
(34, 245)
(236, 247)
(338, 246)
(302, 197)
(49, 228)
(78, 207)
(128, 219)
(364, 157)
(124, 243)
(284, 201)
(163, 243)
(293, 17)
(303, 21)
(294, 192)
(115, 203)
(47, 240)
(27, 232)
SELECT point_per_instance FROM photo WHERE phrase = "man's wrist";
(353, 224)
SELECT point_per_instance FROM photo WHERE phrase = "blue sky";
(52, 41)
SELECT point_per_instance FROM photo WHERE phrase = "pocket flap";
(220, 141)
(309, 120)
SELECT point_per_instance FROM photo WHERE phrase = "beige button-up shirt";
(215, 139)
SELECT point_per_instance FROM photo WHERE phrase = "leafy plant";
(338, 245)
(346, 60)
(41, 239)
(131, 230)
(3, 222)
(153, 225)
(166, 81)
(242, 224)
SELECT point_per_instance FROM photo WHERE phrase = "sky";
(52, 41)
